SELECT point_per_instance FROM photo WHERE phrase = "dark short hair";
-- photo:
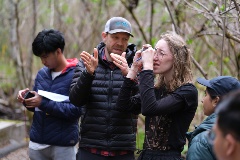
(228, 112)
(47, 41)
(211, 93)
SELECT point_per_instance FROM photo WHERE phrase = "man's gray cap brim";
(119, 31)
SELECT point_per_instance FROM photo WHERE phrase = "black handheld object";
(28, 95)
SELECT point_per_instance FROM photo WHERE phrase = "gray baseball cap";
(118, 24)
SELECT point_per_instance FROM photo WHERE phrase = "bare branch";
(136, 20)
(199, 67)
(223, 40)
(174, 24)
(151, 22)
(236, 6)
(15, 42)
(177, 31)
(208, 33)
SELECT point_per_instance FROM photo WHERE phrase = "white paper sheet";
(53, 96)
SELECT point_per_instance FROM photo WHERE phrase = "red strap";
(106, 153)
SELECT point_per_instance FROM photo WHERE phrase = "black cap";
(221, 84)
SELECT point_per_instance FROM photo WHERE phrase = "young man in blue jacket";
(54, 131)
(105, 133)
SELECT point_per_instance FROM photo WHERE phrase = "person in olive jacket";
(199, 148)
(105, 133)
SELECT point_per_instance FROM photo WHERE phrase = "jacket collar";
(207, 124)
(71, 63)
(130, 51)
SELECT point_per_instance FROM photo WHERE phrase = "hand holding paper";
(53, 96)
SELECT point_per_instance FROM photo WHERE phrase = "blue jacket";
(55, 123)
(198, 147)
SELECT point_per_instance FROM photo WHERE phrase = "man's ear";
(59, 51)
(215, 101)
(231, 144)
(104, 36)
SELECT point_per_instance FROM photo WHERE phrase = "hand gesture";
(21, 95)
(34, 101)
(90, 62)
(137, 62)
(31, 102)
(120, 62)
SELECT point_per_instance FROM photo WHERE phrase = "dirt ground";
(19, 154)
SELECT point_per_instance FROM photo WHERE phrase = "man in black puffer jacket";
(105, 133)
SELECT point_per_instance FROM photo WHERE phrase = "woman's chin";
(155, 71)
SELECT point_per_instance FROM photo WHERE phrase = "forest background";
(211, 29)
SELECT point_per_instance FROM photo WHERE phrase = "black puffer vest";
(102, 126)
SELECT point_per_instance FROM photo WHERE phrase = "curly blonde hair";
(181, 65)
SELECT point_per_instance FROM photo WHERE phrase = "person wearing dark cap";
(199, 147)
(105, 133)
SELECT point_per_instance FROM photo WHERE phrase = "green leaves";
(189, 41)
(226, 59)
(65, 8)
(222, 8)
(211, 63)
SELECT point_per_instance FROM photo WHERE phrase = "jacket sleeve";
(200, 149)
(80, 85)
(127, 101)
(171, 103)
(64, 109)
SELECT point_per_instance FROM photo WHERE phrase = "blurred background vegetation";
(211, 29)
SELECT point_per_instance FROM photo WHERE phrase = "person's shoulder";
(43, 70)
(43, 74)
(199, 147)
(80, 63)
(189, 93)
(201, 138)
(187, 88)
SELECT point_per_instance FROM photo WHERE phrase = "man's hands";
(90, 62)
(31, 102)
(120, 62)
